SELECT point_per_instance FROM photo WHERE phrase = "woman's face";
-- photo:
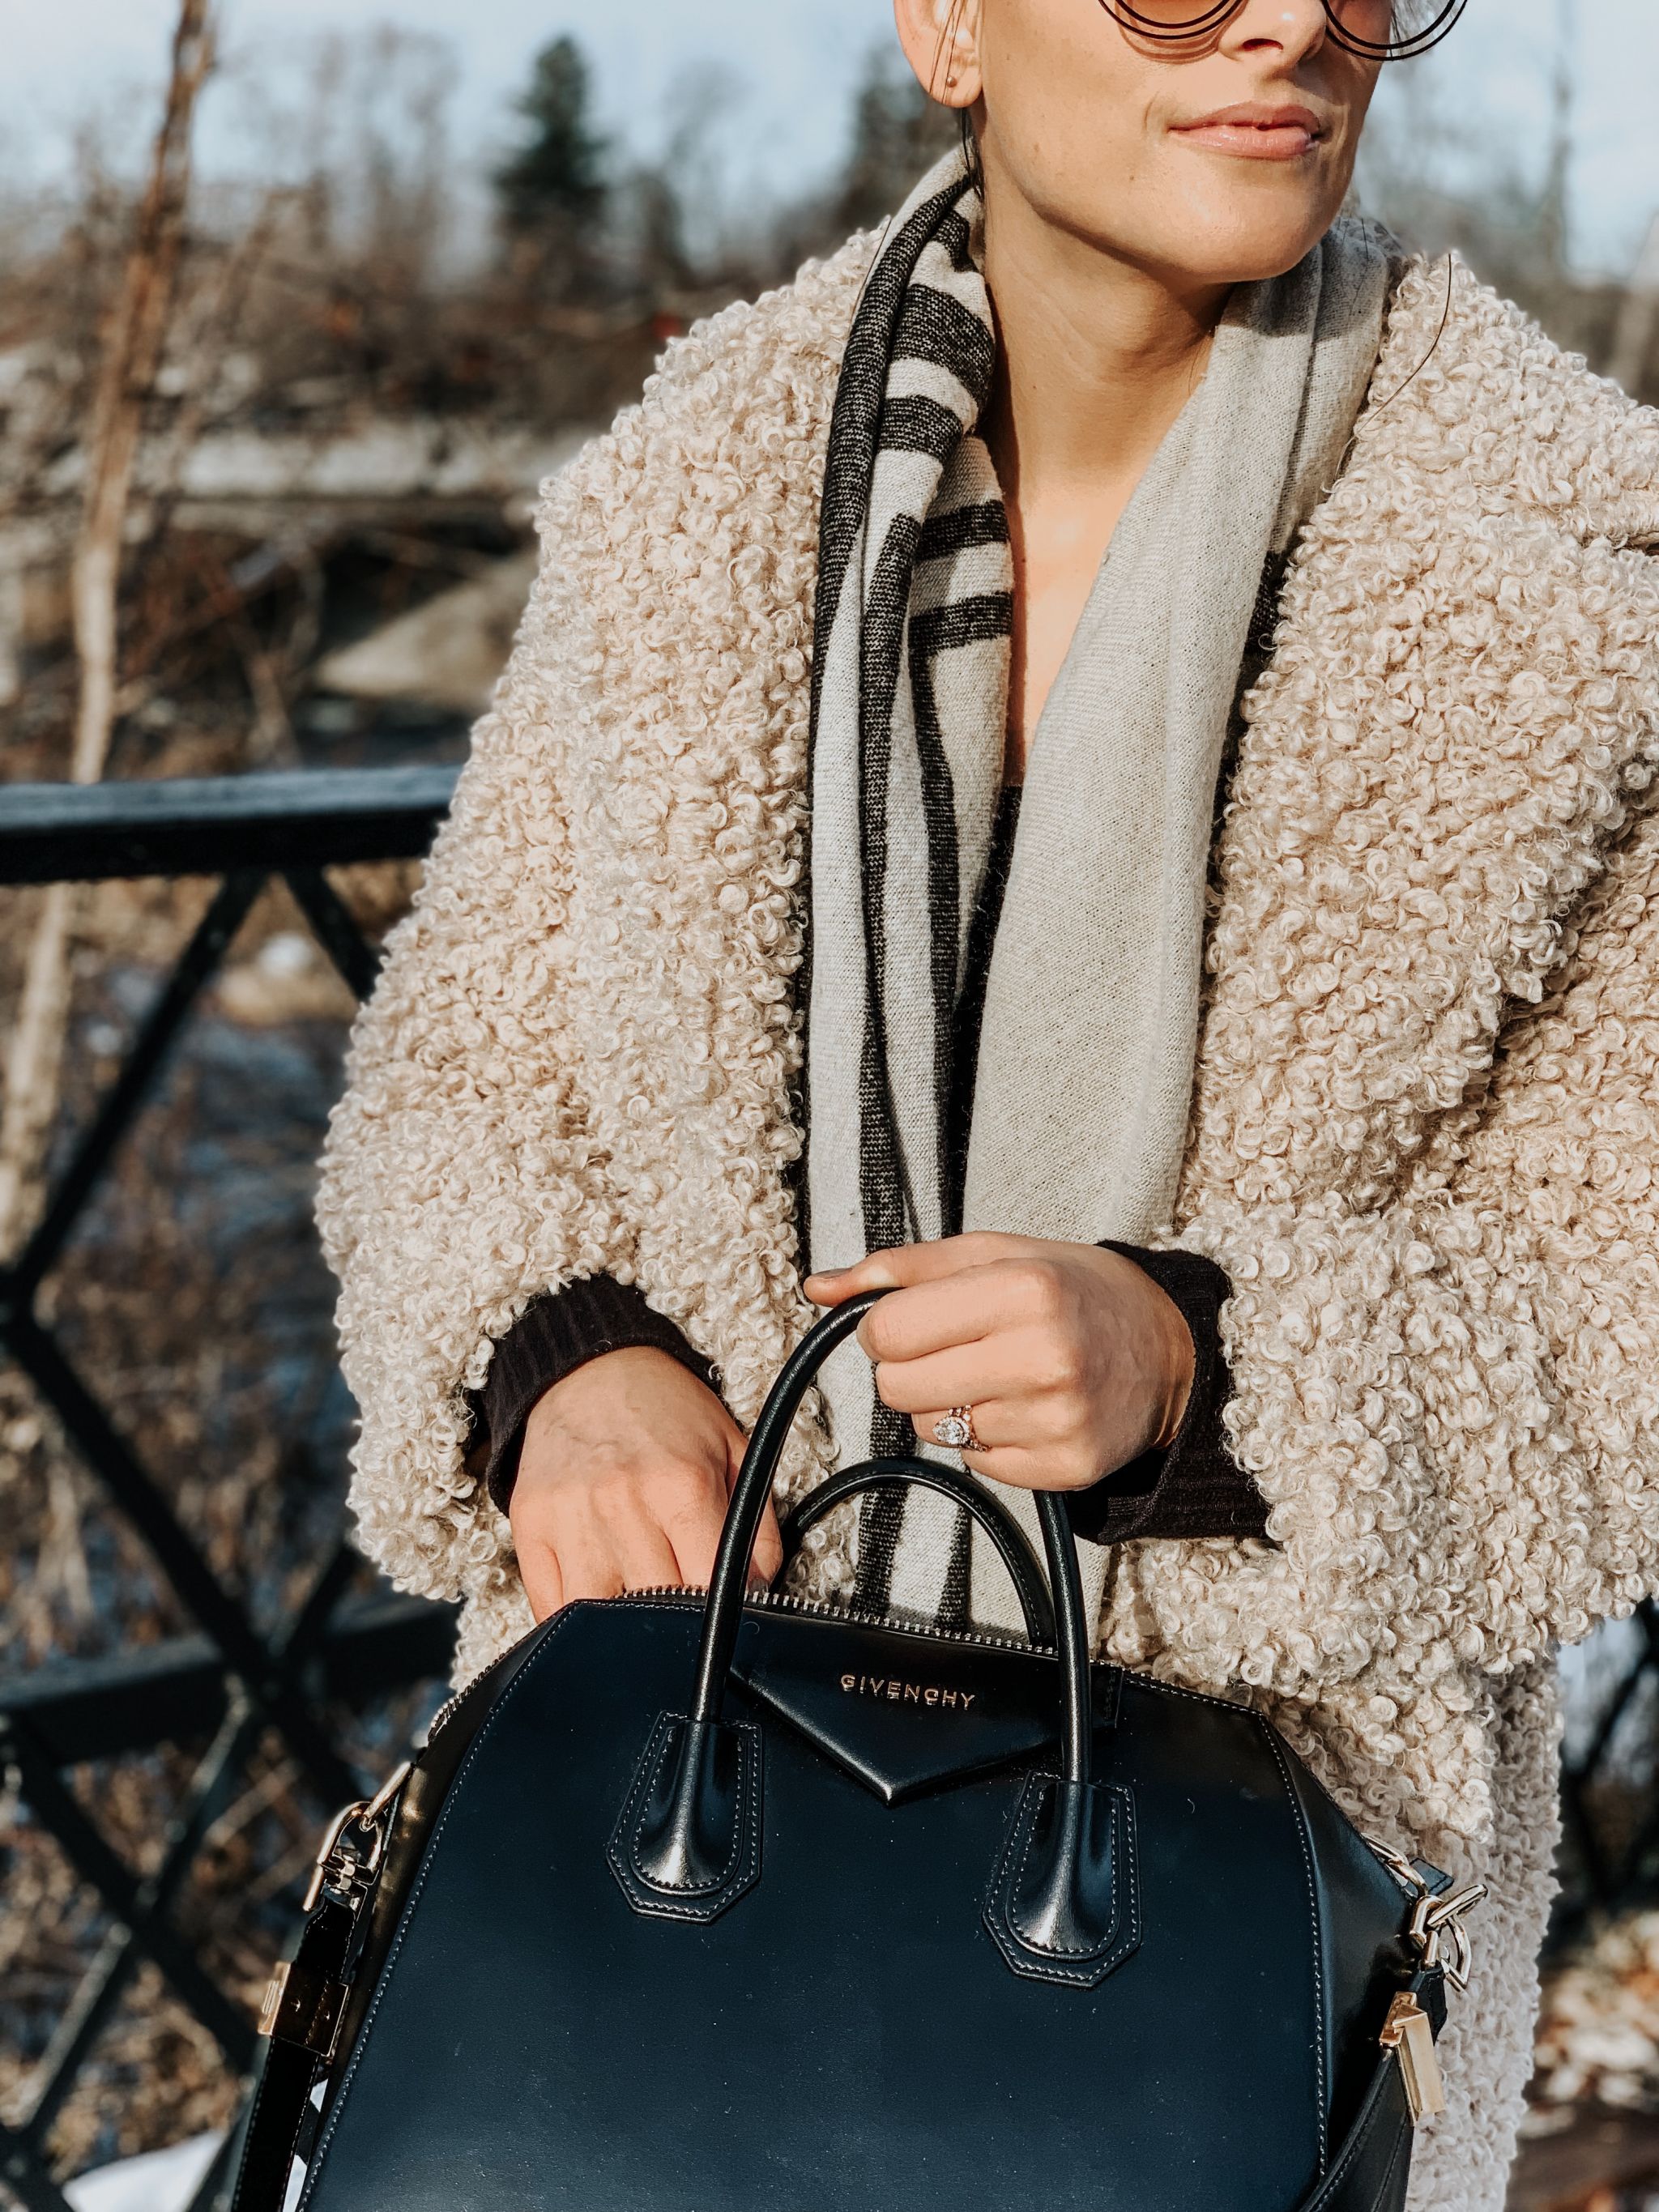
(1219, 161)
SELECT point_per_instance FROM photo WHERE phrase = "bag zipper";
(773, 1601)
(782, 1601)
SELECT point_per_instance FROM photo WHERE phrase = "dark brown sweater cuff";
(1193, 1488)
(556, 1333)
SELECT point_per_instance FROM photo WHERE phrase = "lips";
(1256, 130)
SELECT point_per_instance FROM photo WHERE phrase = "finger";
(588, 1566)
(1031, 1465)
(692, 1521)
(543, 1584)
(768, 1557)
(1009, 1364)
(1013, 1447)
(607, 1537)
(962, 1309)
(903, 1264)
(1019, 1468)
(642, 1558)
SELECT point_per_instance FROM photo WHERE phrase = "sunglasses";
(1378, 30)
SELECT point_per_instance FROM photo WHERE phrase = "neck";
(1097, 355)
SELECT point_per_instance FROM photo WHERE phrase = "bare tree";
(133, 348)
(898, 133)
(1639, 318)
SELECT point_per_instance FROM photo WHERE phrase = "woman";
(1287, 1195)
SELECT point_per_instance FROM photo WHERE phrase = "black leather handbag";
(747, 1904)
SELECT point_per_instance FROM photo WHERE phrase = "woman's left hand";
(1073, 1360)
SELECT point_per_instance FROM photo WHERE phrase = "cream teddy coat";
(1425, 1134)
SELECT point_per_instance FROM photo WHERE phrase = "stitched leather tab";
(1065, 1902)
(687, 1843)
(903, 1713)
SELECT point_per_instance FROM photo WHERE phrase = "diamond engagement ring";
(955, 1429)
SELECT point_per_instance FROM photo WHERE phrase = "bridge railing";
(239, 1685)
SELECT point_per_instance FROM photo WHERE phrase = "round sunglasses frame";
(1212, 17)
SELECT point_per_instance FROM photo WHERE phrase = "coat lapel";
(1431, 768)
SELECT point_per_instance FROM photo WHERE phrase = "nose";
(1295, 27)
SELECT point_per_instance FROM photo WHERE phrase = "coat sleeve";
(1451, 1401)
(459, 1179)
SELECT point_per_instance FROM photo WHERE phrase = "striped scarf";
(1085, 1066)
(915, 610)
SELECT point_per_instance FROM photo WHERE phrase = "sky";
(778, 74)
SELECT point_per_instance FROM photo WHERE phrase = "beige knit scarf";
(1089, 1031)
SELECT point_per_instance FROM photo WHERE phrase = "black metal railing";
(234, 1683)
(231, 1682)
(1610, 1786)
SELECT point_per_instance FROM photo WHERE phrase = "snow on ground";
(160, 2181)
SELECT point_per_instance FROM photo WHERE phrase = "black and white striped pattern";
(1083, 1081)
(915, 615)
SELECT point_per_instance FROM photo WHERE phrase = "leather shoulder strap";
(275, 2124)
(1373, 2162)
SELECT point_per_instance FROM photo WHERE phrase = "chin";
(1249, 244)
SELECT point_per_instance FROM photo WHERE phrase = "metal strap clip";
(354, 1843)
(1437, 1934)
(1436, 1927)
(303, 2005)
(1437, 1922)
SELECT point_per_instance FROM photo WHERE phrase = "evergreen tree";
(556, 179)
(897, 134)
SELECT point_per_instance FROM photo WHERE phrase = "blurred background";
(297, 304)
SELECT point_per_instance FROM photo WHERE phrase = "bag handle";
(1064, 1904)
(723, 1613)
(1012, 1546)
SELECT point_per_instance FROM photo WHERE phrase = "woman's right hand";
(623, 1483)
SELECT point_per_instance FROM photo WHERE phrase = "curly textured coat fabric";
(1424, 1140)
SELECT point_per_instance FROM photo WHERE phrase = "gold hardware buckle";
(305, 2008)
(1437, 1923)
(344, 1868)
(1408, 2033)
